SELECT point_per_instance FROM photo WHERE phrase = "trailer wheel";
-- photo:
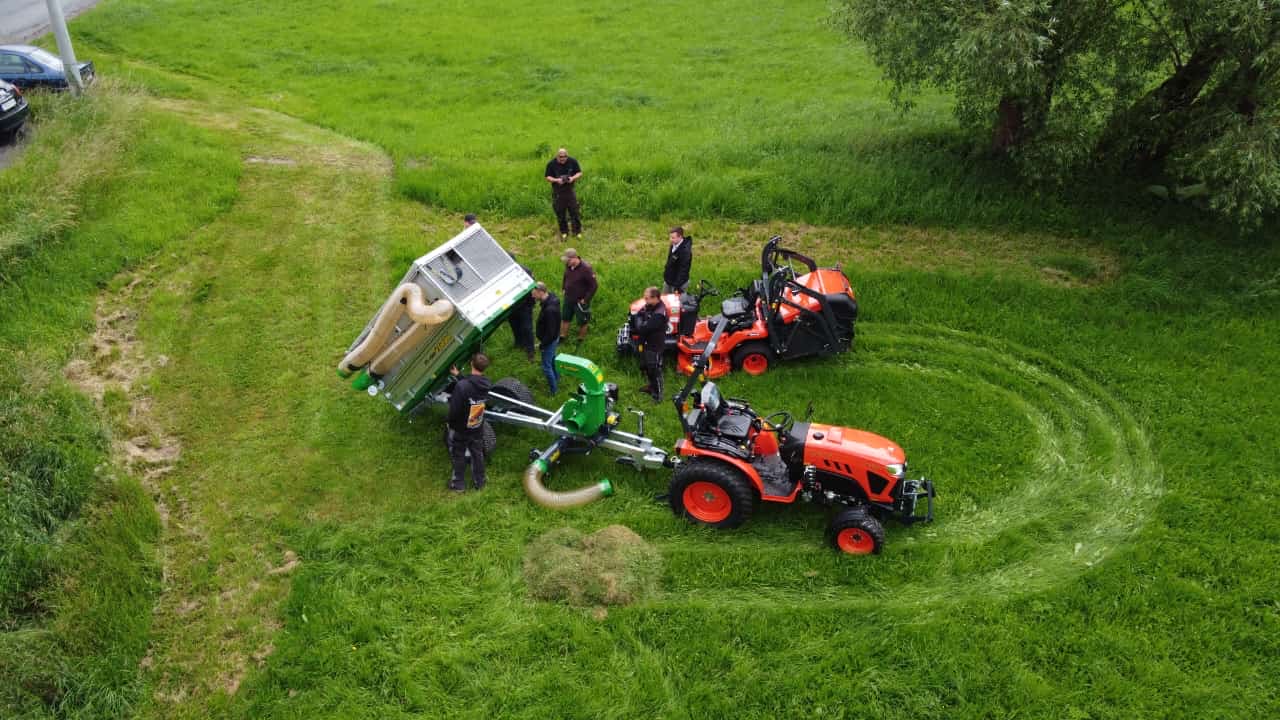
(708, 492)
(855, 532)
(753, 358)
(513, 389)
(487, 432)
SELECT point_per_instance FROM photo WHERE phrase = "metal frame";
(634, 449)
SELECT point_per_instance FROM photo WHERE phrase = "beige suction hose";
(539, 493)
(424, 315)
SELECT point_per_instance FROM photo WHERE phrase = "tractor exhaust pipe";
(371, 351)
(539, 493)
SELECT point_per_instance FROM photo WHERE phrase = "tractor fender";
(688, 449)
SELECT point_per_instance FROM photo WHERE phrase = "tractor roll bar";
(772, 253)
(699, 365)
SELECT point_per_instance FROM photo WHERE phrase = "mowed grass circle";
(1041, 474)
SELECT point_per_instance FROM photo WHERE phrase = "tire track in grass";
(1092, 480)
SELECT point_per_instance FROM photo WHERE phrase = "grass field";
(1092, 387)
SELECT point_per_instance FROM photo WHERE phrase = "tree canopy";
(1185, 91)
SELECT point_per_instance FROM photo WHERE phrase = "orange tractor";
(731, 459)
(788, 313)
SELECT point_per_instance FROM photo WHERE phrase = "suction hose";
(424, 315)
(539, 493)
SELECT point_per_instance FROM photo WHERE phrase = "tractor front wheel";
(855, 532)
(753, 358)
(709, 492)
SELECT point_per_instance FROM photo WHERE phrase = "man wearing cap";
(468, 220)
(579, 287)
(675, 276)
(548, 332)
(562, 172)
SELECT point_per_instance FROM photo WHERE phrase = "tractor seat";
(734, 425)
(728, 419)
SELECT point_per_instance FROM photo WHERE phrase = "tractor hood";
(828, 446)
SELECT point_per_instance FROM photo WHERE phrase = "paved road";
(22, 20)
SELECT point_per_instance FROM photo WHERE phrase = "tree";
(1186, 91)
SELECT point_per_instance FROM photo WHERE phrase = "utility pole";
(69, 66)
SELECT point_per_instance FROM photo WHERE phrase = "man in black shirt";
(521, 319)
(466, 423)
(651, 325)
(548, 332)
(675, 276)
(562, 172)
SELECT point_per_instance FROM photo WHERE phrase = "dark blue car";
(29, 67)
(13, 111)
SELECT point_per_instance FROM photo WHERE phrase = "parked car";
(13, 111)
(29, 67)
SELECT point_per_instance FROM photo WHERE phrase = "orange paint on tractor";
(824, 281)
(853, 453)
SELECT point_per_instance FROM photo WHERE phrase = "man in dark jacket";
(579, 287)
(466, 423)
(548, 332)
(651, 325)
(675, 277)
(562, 173)
(521, 319)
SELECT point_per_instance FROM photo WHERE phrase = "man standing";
(579, 287)
(468, 220)
(562, 172)
(548, 332)
(651, 325)
(521, 319)
(675, 277)
(466, 423)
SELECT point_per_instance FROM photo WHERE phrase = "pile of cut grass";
(612, 566)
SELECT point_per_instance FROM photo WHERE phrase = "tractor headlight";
(897, 470)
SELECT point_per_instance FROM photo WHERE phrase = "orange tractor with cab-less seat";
(785, 314)
(731, 459)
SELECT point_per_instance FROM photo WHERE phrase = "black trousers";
(458, 449)
(565, 204)
(651, 363)
(521, 321)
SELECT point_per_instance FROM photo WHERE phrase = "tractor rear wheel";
(855, 532)
(753, 358)
(710, 492)
(512, 388)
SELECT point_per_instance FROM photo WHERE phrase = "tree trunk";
(1011, 124)
(1142, 136)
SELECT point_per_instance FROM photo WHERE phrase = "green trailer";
(448, 303)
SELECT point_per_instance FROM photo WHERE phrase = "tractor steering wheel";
(705, 288)
(784, 423)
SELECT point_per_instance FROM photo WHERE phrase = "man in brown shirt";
(579, 287)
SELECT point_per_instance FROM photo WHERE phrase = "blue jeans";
(549, 366)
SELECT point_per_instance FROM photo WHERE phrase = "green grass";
(102, 185)
(1102, 433)
(755, 112)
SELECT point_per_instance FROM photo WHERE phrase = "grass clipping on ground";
(612, 566)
